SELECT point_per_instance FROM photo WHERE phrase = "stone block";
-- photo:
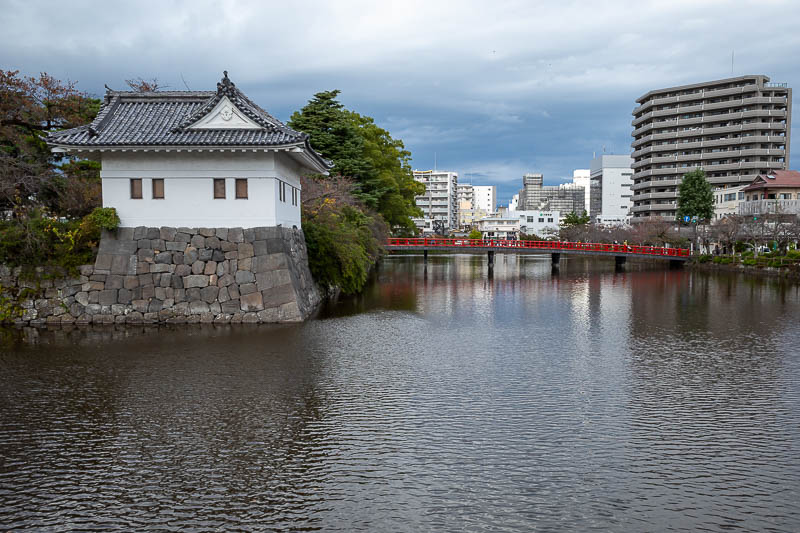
(142, 268)
(198, 267)
(124, 296)
(179, 295)
(226, 246)
(233, 291)
(160, 293)
(150, 318)
(134, 317)
(98, 277)
(154, 306)
(158, 244)
(182, 237)
(108, 297)
(174, 246)
(190, 255)
(233, 254)
(193, 294)
(160, 268)
(93, 286)
(278, 295)
(251, 302)
(265, 263)
(222, 318)
(236, 235)
(176, 281)
(145, 279)
(244, 276)
(275, 246)
(167, 234)
(114, 281)
(139, 232)
(153, 233)
(205, 254)
(117, 309)
(87, 270)
(198, 241)
(222, 268)
(209, 294)
(206, 318)
(130, 282)
(182, 270)
(144, 244)
(268, 316)
(245, 264)
(260, 248)
(222, 295)
(212, 243)
(206, 232)
(249, 235)
(195, 281)
(123, 264)
(166, 280)
(231, 306)
(198, 307)
(82, 298)
(222, 233)
(210, 268)
(103, 261)
(148, 292)
(250, 318)
(247, 288)
(163, 258)
(76, 309)
(218, 256)
(93, 309)
(225, 280)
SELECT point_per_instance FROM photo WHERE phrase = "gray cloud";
(493, 88)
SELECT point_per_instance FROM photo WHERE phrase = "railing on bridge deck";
(554, 246)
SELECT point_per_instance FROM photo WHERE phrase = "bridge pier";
(491, 259)
(425, 256)
(675, 264)
(554, 257)
(619, 262)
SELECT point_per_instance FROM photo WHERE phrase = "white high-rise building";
(485, 197)
(439, 204)
(616, 178)
(514, 203)
(582, 178)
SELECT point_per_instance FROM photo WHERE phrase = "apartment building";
(615, 178)
(439, 204)
(734, 129)
(485, 197)
(565, 199)
(468, 211)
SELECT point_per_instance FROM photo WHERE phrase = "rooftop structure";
(195, 159)
(733, 128)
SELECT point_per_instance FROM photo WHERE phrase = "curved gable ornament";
(225, 116)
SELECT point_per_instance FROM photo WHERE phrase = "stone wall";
(175, 275)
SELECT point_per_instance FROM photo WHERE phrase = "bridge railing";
(541, 245)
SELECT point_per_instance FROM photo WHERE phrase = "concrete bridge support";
(673, 264)
(619, 262)
(425, 256)
(555, 258)
(491, 259)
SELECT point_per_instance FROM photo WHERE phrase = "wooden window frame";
(237, 194)
(215, 182)
(156, 181)
(134, 184)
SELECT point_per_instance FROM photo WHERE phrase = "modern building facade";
(733, 128)
(615, 178)
(727, 200)
(439, 204)
(499, 227)
(468, 212)
(540, 223)
(485, 197)
(537, 196)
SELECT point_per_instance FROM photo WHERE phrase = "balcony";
(763, 207)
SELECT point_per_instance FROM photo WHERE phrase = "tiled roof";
(162, 118)
(774, 180)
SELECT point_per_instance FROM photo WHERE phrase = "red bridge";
(555, 248)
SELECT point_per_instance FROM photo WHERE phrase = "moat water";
(440, 400)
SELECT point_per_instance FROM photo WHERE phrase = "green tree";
(378, 165)
(475, 234)
(573, 219)
(695, 197)
(30, 108)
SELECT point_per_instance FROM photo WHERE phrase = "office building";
(485, 197)
(615, 178)
(565, 199)
(734, 129)
(439, 204)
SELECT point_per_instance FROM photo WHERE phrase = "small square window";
(241, 188)
(136, 188)
(158, 188)
(219, 188)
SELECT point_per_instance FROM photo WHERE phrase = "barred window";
(219, 188)
(136, 188)
(241, 188)
(158, 188)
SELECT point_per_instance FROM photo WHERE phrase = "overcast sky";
(491, 89)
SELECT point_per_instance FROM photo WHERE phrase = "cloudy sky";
(489, 89)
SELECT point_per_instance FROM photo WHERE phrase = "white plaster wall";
(189, 190)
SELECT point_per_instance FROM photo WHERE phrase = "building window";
(549, 219)
(295, 193)
(281, 191)
(541, 220)
(219, 188)
(241, 188)
(136, 188)
(158, 188)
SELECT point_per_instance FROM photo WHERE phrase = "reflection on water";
(440, 399)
